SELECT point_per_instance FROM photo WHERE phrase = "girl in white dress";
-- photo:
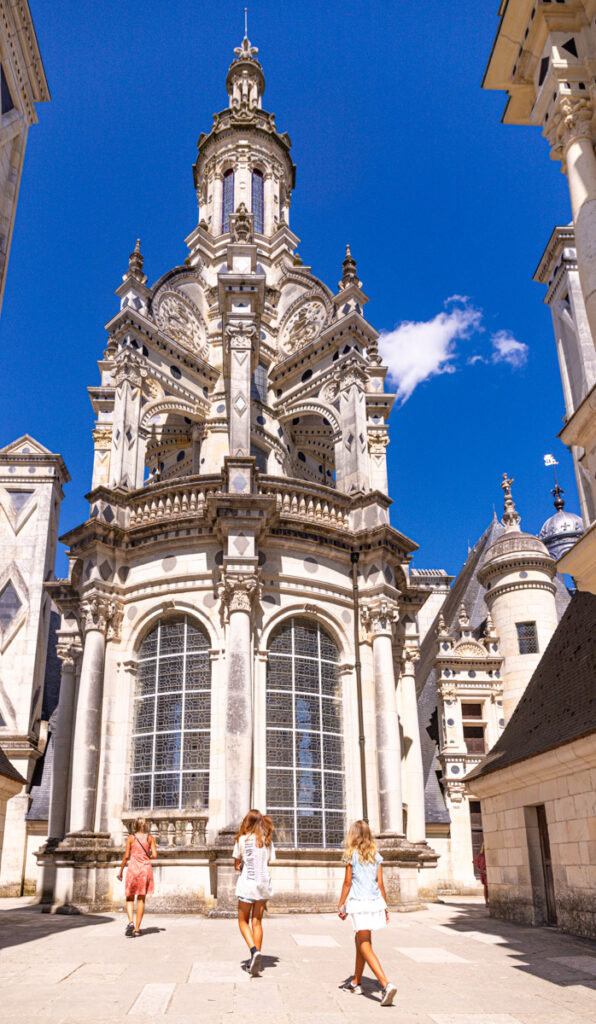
(363, 898)
(253, 852)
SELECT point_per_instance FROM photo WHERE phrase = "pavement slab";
(451, 962)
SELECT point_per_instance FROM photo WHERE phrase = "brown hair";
(140, 825)
(360, 839)
(258, 825)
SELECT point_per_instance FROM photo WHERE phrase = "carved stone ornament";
(128, 369)
(378, 439)
(469, 649)
(303, 325)
(456, 790)
(572, 121)
(178, 319)
(152, 389)
(448, 692)
(102, 438)
(238, 592)
(241, 225)
(103, 614)
(378, 616)
(330, 391)
(240, 334)
(69, 651)
(352, 374)
(409, 657)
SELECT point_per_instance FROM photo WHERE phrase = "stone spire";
(350, 277)
(511, 518)
(135, 265)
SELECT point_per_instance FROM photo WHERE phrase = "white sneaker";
(354, 989)
(388, 994)
(255, 963)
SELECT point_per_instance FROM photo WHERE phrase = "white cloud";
(415, 351)
(507, 349)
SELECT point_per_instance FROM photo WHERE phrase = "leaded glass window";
(172, 718)
(527, 637)
(227, 206)
(257, 201)
(305, 769)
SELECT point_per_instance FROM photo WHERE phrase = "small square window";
(471, 710)
(527, 637)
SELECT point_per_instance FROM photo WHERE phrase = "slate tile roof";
(7, 769)
(559, 704)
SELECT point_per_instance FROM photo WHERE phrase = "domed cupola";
(562, 530)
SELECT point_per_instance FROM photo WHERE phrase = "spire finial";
(246, 22)
(511, 517)
(135, 264)
(349, 271)
(557, 493)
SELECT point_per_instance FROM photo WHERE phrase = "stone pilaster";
(127, 461)
(352, 466)
(378, 616)
(378, 439)
(101, 621)
(239, 341)
(571, 135)
(239, 592)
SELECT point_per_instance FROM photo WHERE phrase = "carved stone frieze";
(103, 614)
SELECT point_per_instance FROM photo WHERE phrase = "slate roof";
(467, 590)
(39, 808)
(559, 704)
(8, 769)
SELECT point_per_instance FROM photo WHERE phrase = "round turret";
(561, 531)
(517, 574)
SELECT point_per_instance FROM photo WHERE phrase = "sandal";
(136, 933)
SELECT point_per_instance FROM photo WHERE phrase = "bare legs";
(130, 910)
(140, 911)
(252, 936)
(365, 954)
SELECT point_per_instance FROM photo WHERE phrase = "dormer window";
(257, 201)
(227, 206)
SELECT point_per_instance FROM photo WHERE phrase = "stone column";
(378, 617)
(100, 619)
(69, 650)
(572, 138)
(238, 592)
(239, 339)
(352, 465)
(216, 207)
(128, 443)
(416, 829)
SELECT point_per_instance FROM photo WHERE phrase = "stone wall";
(563, 780)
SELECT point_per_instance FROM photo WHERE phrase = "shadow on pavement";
(26, 924)
(150, 931)
(542, 951)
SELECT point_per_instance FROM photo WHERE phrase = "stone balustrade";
(172, 828)
(308, 502)
(177, 500)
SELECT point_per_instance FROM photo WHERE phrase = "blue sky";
(399, 152)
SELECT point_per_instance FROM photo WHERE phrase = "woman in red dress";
(140, 850)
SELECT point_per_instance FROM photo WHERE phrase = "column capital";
(69, 650)
(102, 614)
(378, 439)
(239, 592)
(571, 120)
(410, 654)
(352, 373)
(378, 615)
(240, 333)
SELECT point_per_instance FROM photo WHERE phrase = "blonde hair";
(258, 825)
(360, 840)
(140, 825)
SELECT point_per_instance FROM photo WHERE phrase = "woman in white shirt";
(253, 852)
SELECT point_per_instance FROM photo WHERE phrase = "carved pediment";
(178, 317)
(468, 649)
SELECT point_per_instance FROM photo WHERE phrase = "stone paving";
(452, 964)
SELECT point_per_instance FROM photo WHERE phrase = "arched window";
(257, 201)
(305, 771)
(172, 718)
(227, 206)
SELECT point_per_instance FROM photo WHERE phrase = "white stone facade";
(239, 624)
(23, 84)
